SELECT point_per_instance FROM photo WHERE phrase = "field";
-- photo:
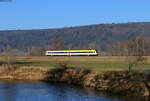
(89, 62)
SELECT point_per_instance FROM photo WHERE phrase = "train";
(71, 53)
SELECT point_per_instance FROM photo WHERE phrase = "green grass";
(98, 63)
(37, 63)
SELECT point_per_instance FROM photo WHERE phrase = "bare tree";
(115, 48)
(136, 51)
(9, 58)
(8, 54)
(92, 45)
(36, 51)
(57, 43)
(138, 46)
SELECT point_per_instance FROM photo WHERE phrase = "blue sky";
(43, 14)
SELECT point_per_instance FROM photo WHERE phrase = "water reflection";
(8, 91)
(23, 91)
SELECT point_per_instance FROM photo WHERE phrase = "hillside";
(74, 37)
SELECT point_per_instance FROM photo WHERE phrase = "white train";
(72, 53)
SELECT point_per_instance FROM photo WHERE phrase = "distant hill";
(74, 37)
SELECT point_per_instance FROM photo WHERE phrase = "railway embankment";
(112, 82)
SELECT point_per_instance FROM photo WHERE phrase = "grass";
(98, 63)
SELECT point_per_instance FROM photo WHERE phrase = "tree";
(92, 45)
(36, 51)
(136, 51)
(57, 43)
(9, 58)
(116, 48)
(8, 54)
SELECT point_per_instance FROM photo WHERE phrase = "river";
(38, 91)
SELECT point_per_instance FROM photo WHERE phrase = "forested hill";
(74, 37)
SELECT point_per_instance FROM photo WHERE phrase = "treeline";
(137, 46)
(94, 36)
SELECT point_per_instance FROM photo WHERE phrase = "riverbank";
(117, 83)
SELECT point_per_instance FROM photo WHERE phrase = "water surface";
(29, 91)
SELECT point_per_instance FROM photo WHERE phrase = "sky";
(43, 14)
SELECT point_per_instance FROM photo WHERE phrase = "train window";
(72, 52)
(84, 52)
(56, 52)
